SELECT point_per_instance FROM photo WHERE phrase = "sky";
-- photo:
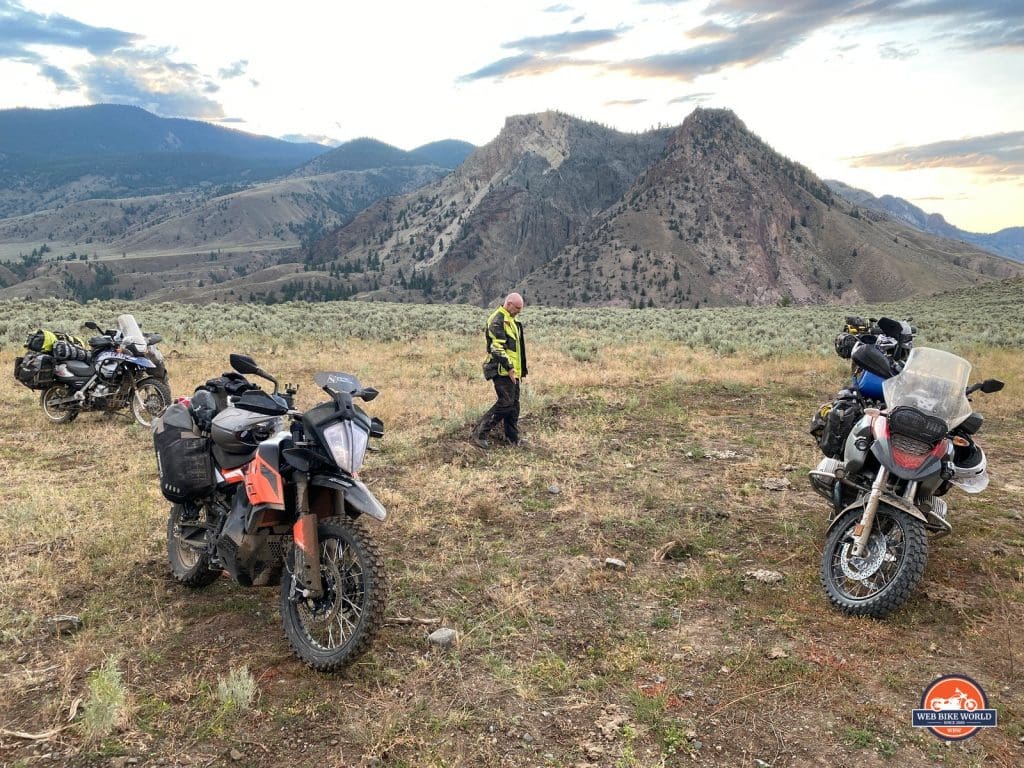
(916, 98)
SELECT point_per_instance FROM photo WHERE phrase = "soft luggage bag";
(182, 456)
(839, 422)
(64, 351)
(35, 371)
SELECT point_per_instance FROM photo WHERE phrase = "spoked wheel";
(882, 580)
(58, 414)
(331, 631)
(186, 548)
(150, 399)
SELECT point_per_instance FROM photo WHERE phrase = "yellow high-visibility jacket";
(506, 345)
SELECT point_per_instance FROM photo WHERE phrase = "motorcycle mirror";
(368, 394)
(890, 327)
(91, 325)
(988, 386)
(244, 364)
(872, 360)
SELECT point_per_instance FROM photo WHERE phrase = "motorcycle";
(118, 373)
(271, 496)
(897, 462)
(959, 700)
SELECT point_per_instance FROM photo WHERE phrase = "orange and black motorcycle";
(270, 494)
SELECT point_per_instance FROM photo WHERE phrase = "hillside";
(508, 209)
(575, 214)
(192, 246)
(724, 219)
(1008, 242)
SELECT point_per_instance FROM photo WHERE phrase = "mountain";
(53, 157)
(1007, 242)
(113, 129)
(366, 153)
(360, 155)
(449, 153)
(507, 210)
(573, 213)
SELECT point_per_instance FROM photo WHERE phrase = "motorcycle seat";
(79, 369)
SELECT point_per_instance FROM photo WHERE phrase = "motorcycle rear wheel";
(333, 630)
(63, 414)
(881, 581)
(156, 396)
(189, 566)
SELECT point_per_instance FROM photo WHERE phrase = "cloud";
(121, 71)
(999, 154)
(560, 8)
(60, 78)
(235, 70)
(231, 120)
(20, 27)
(897, 51)
(309, 138)
(624, 102)
(693, 98)
(745, 33)
(565, 42)
(544, 53)
(526, 64)
(148, 79)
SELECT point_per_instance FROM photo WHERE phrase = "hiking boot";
(480, 442)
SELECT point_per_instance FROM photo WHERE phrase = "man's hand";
(512, 374)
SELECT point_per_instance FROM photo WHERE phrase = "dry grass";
(560, 661)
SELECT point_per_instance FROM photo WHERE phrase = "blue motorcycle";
(118, 373)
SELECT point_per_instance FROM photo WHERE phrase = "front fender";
(359, 500)
(887, 499)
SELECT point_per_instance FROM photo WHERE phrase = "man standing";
(505, 366)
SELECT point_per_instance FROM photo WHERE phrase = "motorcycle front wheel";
(150, 399)
(881, 581)
(334, 629)
(58, 414)
(186, 550)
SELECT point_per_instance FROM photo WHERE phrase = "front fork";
(306, 578)
(862, 532)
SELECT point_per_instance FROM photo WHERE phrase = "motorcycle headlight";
(347, 444)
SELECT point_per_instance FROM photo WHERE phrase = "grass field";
(642, 448)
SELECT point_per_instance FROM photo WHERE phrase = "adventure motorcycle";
(118, 372)
(271, 495)
(885, 488)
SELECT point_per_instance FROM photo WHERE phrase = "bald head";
(513, 304)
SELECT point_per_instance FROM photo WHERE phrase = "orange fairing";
(263, 483)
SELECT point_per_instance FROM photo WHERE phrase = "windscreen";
(932, 381)
(130, 331)
(343, 382)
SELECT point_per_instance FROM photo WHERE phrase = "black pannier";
(35, 371)
(836, 425)
(182, 456)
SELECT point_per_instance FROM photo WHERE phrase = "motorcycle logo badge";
(954, 708)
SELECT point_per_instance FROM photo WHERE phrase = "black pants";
(506, 410)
